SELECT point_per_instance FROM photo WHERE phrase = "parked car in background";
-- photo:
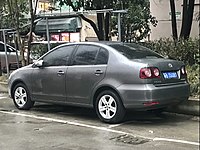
(12, 59)
(111, 77)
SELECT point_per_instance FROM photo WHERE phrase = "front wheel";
(109, 107)
(21, 97)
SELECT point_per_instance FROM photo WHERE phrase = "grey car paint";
(84, 79)
(48, 83)
(79, 84)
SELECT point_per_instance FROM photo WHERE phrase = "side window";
(102, 57)
(59, 57)
(85, 55)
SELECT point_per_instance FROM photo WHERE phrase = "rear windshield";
(134, 51)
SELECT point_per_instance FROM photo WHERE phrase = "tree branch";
(92, 24)
(69, 2)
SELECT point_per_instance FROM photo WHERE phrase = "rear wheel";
(109, 107)
(21, 97)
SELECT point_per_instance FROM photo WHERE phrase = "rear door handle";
(98, 72)
(60, 73)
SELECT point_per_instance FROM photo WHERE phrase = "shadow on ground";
(132, 117)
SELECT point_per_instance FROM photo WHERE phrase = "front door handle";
(98, 72)
(60, 73)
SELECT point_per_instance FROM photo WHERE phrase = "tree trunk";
(189, 19)
(100, 22)
(100, 32)
(30, 36)
(173, 19)
(188, 10)
(107, 26)
(17, 24)
(184, 19)
(92, 24)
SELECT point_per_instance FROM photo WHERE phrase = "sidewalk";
(190, 107)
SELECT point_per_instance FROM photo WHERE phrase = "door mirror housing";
(39, 63)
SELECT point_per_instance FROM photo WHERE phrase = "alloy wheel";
(107, 106)
(20, 96)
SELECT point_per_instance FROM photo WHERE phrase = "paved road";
(48, 126)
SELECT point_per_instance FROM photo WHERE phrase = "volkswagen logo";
(170, 65)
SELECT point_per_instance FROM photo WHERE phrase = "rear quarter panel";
(122, 70)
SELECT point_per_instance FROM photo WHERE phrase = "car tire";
(21, 97)
(109, 107)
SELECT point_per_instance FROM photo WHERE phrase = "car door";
(49, 80)
(87, 69)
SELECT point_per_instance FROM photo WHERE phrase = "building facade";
(162, 11)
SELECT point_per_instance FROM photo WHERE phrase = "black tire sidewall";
(28, 103)
(118, 117)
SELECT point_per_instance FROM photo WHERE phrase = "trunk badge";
(170, 65)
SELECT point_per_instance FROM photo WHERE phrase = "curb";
(189, 107)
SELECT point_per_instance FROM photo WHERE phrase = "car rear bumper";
(148, 96)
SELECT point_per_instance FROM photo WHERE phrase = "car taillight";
(156, 72)
(183, 70)
(149, 72)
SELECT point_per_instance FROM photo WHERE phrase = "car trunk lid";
(170, 71)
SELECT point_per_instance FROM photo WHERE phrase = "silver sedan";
(111, 77)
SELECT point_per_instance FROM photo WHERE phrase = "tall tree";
(99, 28)
(103, 20)
(138, 19)
(13, 17)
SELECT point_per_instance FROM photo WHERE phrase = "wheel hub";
(107, 106)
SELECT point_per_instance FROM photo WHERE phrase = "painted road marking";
(98, 128)
(177, 141)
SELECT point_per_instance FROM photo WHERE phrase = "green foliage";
(193, 79)
(138, 19)
(183, 50)
(8, 13)
(135, 24)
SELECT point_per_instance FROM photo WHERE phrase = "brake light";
(156, 72)
(183, 70)
(149, 72)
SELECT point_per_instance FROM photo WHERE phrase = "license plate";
(170, 75)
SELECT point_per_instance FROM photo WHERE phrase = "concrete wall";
(161, 10)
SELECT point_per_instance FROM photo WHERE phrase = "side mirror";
(39, 63)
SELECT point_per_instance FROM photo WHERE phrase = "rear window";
(134, 51)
